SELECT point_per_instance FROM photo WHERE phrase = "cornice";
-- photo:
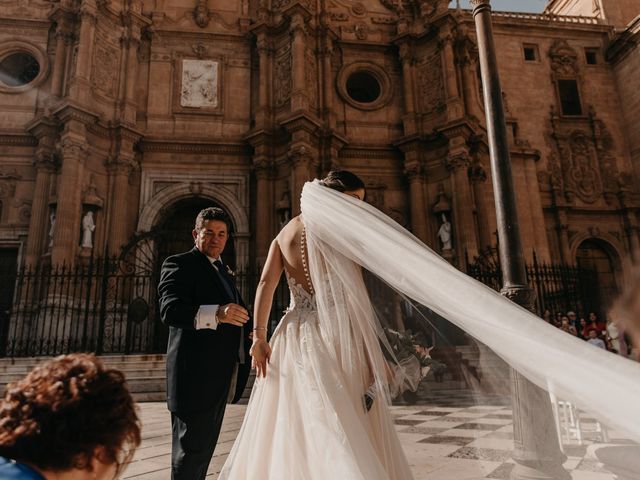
(369, 152)
(18, 140)
(239, 149)
(624, 42)
(300, 120)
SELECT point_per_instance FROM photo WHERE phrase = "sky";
(535, 6)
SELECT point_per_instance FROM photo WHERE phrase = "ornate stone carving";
(564, 59)
(583, 175)
(201, 14)
(106, 61)
(200, 49)
(431, 84)
(199, 87)
(283, 75)
(375, 194)
(311, 78)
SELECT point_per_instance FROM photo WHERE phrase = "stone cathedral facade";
(142, 112)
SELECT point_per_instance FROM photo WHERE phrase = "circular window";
(23, 66)
(363, 87)
(18, 69)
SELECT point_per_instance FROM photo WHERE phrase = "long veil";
(347, 237)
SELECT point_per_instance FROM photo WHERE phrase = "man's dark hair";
(342, 181)
(212, 213)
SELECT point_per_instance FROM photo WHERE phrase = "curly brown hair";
(63, 410)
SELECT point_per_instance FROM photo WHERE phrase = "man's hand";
(261, 354)
(233, 314)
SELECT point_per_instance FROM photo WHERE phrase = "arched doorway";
(175, 229)
(601, 291)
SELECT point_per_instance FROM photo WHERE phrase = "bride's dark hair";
(342, 181)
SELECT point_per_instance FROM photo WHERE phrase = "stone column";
(69, 210)
(132, 42)
(264, 208)
(263, 80)
(562, 226)
(414, 171)
(300, 157)
(454, 103)
(60, 62)
(37, 241)
(478, 179)
(328, 81)
(470, 93)
(119, 170)
(465, 227)
(407, 59)
(632, 231)
(80, 88)
(299, 99)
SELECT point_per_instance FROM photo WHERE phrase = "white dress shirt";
(206, 315)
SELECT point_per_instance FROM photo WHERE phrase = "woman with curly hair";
(69, 418)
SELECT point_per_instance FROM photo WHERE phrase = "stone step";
(105, 358)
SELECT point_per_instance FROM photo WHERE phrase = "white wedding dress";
(306, 420)
(303, 422)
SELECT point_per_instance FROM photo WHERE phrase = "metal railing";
(98, 306)
(559, 288)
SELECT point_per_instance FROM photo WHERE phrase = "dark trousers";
(194, 437)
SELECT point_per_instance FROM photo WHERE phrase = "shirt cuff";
(206, 317)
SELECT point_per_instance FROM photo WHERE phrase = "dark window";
(569, 97)
(18, 69)
(363, 87)
(530, 53)
(591, 56)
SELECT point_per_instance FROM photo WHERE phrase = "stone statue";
(52, 227)
(88, 226)
(445, 233)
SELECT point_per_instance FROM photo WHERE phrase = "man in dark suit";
(208, 342)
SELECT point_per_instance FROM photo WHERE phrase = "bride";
(319, 408)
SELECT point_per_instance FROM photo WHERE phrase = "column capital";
(44, 161)
(413, 170)
(299, 155)
(263, 168)
(72, 147)
(457, 161)
(121, 165)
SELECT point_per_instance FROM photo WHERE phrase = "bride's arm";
(260, 351)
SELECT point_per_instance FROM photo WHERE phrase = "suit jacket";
(200, 363)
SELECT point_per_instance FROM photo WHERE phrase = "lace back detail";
(301, 299)
(303, 253)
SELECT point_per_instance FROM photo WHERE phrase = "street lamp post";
(536, 448)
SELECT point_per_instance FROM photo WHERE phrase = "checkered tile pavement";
(451, 435)
(454, 435)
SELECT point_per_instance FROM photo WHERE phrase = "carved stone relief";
(430, 84)
(283, 75)
(564, 59)
(311, 77)
(106, 61)
(199, 87)
(581, 165)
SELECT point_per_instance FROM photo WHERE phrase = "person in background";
(583, 330)
(557, 322)
(70, 418)
(573, 319)
(594, 340)
(546, 316)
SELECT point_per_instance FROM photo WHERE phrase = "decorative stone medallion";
(199, 84)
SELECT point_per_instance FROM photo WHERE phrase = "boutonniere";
(229, 271)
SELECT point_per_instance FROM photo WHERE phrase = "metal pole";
(536, 447)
